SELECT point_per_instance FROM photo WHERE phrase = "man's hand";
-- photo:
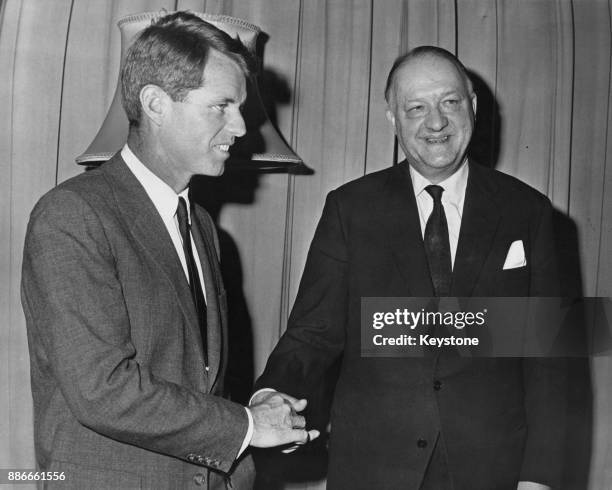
(276, 421)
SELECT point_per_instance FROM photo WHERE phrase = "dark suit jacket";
(121, 396)
(501, 419)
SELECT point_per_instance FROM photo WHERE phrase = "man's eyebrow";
(454, 92)
(228, 101)
(411, 102)
(224, 100)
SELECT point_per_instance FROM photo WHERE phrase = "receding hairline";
(172, 53)
(218, 57)
(425, 52)
(222, 58)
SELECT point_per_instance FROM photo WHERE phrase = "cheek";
(466, 131)
(463, 122)
(408, 129)
(207, 129)
(197, 135)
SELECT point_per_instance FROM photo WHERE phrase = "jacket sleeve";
(544, 379)
(80, 332)
(316, 329)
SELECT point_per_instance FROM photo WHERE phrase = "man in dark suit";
(435, 225)
(122, 292)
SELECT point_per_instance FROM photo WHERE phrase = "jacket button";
(422, 443)
(437, 385)
(199, 479)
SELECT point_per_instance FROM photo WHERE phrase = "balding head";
(422, 52)
(431, 107)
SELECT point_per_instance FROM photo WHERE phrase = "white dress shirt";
(166, 202)
(453, 198)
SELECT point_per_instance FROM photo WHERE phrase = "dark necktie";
(194, 278)
(437, 247)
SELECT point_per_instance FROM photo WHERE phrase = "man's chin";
(436, 169)
(439, 157)
(214, 170)
(442, 160)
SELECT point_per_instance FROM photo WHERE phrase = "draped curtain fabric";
(542, 70)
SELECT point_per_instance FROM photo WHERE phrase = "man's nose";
(236, 125)
(436, 120)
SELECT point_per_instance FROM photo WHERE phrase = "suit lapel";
(204, 241)
(404, 232)
(149, 229)
(481, 214)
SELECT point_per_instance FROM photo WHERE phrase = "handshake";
(276, 421)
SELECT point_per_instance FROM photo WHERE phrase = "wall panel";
(332, 110)
(525, 75)
(590, 129)
(32, 152)
(9, 340)
(384, 48)
(477, 31)
(544, 116)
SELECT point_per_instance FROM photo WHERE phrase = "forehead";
(223, 77)
(428, 74)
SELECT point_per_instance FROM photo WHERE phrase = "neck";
(151, 154)
(435, 177)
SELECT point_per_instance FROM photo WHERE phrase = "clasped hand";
(276, 421)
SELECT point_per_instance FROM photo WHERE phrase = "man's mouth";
(223, 148)
(437, 141)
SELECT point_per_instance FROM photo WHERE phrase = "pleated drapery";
(542, 70)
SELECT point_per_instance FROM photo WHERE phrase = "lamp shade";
(262, 147)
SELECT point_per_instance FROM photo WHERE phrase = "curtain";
(542, 69)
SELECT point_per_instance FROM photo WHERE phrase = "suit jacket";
(501, 419)
(121, 395)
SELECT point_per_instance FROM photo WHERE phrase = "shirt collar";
(163, 196)
(454, 186)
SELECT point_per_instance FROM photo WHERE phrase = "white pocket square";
(516, 256)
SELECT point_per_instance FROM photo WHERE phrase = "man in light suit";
(435, 225)
(122, 292)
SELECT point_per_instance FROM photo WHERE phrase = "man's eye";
(220, 107)
(416, 109)
(451, 102)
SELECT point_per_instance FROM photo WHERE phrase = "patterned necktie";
(437, 247)
(194, 278)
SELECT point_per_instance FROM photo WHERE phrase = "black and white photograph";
(306, 244)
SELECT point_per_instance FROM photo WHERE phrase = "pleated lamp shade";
(261, 148)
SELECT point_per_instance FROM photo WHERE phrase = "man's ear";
(474, 103)
(390, 117)
(154, 103)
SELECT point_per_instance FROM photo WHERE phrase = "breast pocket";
(514, 282)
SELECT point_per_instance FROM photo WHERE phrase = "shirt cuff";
(262, 390)
(249, 434)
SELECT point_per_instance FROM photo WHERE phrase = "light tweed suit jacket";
(121, 395)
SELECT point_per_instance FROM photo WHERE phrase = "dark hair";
(422, 52)
(171, 53)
